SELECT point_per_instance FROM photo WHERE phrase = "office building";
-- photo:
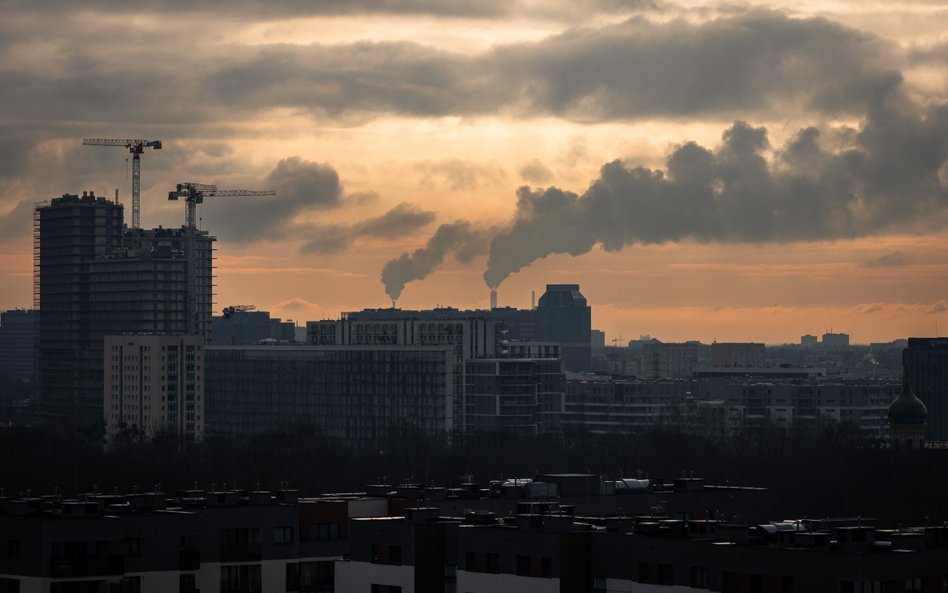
(564, 316)
(737, 354)
(925, 365)
(154, 383)
(19, 340)
(356, 394)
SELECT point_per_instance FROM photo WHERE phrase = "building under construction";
(92, 278)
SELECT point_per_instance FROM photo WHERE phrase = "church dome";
(907, 408)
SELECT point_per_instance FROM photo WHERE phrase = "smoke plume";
(890, 175)
(461, 238)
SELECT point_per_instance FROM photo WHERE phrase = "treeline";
(833, 473)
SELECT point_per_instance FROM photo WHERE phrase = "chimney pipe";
(493, 299)
(533, 299)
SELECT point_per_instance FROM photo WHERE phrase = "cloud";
(300, 185)
(938, 307)
(462, 239)
(535, 171)
(401, 220)
(459, 175)
(18, 222)
(895, 259)
(889, 179)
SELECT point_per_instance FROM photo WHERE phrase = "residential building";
(738, 354)
(925, 364)
(357, 394)
(835, 342)
(19, 340)
(68, 234)
(241, 324)
(154, 383)
(523, 395)
(668, 360)
(93, 278)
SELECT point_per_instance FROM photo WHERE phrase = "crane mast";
(135, 147)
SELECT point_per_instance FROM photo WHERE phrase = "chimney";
(533, 299)
(493, 299)
(393, 304)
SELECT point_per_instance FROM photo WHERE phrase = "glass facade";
(353, 394)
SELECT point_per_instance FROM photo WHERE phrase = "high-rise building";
(925, 365)
(69, 233)
(154, 383)
(94, 278)
(563, 316)
(18, 342)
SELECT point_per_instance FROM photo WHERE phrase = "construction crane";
(194, 194)
(136, 147)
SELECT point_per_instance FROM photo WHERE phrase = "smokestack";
(393, 303)
(533, 299)
(493, 299)
(116, 196)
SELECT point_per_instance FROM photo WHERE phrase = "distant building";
(925, 364)
(525, 396)
(19, 340)
(597, 341)
(356, 394)
(562, 316)
(241, 325)
(809, 342)
(668, 361)
(835, 342)
(738, 354)
(907, 420)
(777, 372)
(154, 383)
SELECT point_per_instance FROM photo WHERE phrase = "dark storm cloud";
(400, 221)
(638, 68)
(888, 180)
(274, 9)
(462, 239)
(300, 185)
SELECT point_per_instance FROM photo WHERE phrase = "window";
(535, 566)
(700, 577)
(244, 578)
(385, 554)
(482, 562)
(131, 585)
(187, 583)
(283, 535)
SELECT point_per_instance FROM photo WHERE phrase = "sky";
(734, 171)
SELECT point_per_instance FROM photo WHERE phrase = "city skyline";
(381, 127)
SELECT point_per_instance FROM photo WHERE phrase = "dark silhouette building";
(925, 363)
(70, 232)
(562, 315)
(92, 278)
(18, 343)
